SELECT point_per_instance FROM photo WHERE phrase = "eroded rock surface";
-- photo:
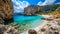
(6, 14)
(8, 29)
(52, 27)
(6, 10)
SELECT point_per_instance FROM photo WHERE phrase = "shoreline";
(40, 26)
(43, 24)
(48, 24)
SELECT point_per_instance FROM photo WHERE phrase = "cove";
(27, 22)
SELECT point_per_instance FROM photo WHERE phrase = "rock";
(58, 22)
(12, 29)
(56, 15)
(6, 10)
(50, 28)
(32, 32)
(56, 33)
(1, 21)
(2, 29)
(6, 15)
(31, 10)
(48, 19)
(8, 29)
(43, 29)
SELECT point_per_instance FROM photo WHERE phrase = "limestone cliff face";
(30, 10)
(6, 9)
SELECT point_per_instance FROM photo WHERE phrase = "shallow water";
(27, 22)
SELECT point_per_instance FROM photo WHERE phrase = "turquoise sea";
(27, 22)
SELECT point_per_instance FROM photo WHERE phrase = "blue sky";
(57, 1)
(19, 5)
(34, 2)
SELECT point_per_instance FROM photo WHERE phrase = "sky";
(19, 5)
(33, 2)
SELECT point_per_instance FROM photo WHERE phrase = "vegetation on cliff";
(57, 10)
(35, 9)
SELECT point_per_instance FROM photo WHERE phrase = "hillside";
(35, 9)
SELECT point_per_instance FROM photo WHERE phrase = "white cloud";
(19, 6)
(40, 3)
(46, 2)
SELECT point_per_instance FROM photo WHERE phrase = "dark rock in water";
(6, 10)
(32, 32)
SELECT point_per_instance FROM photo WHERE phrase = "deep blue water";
(27, 22)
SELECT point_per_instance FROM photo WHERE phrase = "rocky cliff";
(6, 10)
(6, 16)
(32, 9)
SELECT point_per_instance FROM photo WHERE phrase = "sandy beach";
(43, 24)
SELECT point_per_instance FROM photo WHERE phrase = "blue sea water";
(27, 22)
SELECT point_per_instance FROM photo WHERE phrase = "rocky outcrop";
(6, 10)
(6, 14)
(8, 29)
(52, 27)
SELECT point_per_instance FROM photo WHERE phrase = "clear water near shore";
(27, 22)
